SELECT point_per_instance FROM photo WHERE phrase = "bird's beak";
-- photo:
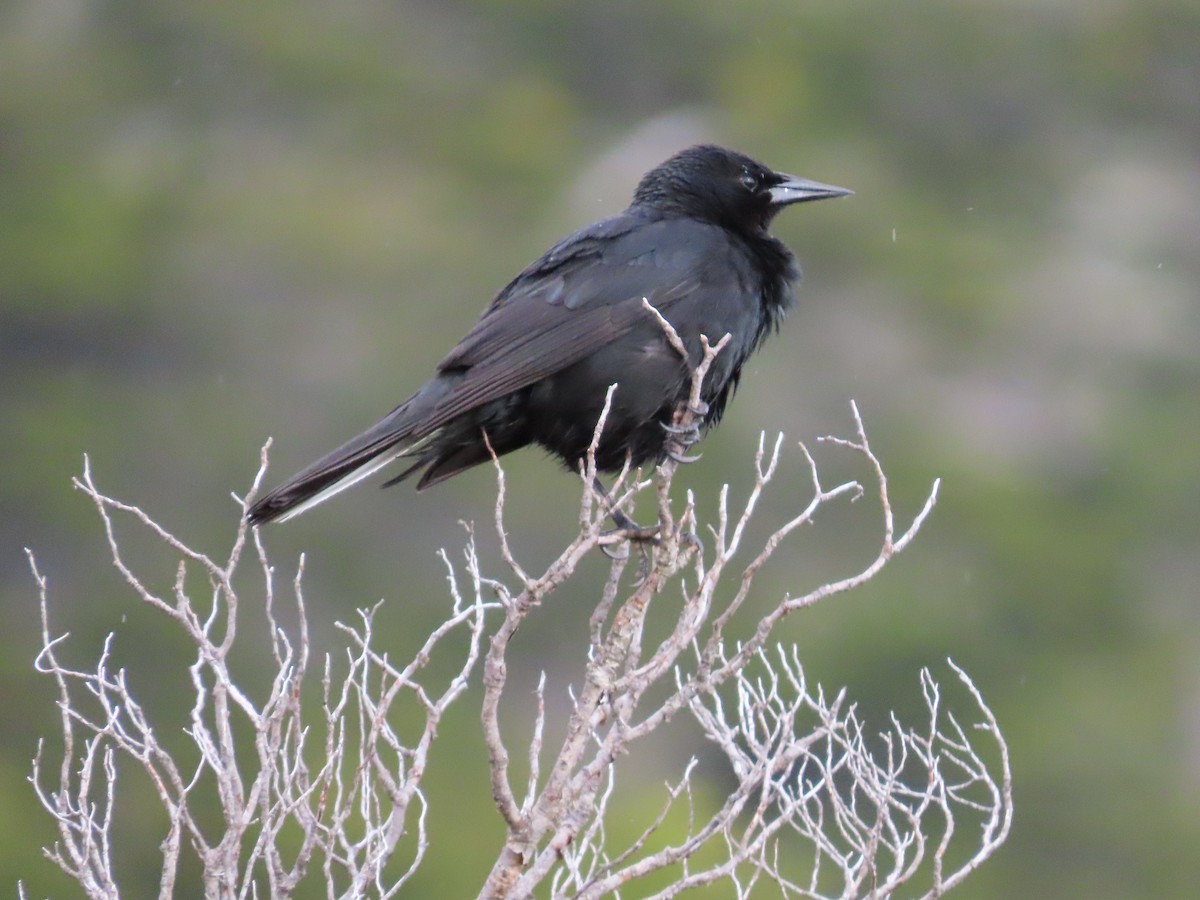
(796, 190)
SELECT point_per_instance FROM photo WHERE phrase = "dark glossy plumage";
(537, 364)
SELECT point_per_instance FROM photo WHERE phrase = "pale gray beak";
(797, 190)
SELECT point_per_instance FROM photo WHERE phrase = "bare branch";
(871, 835)
(352, 812)
(818, 802)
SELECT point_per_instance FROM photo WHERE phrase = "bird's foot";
(630, 532)
(689, 433)
(681, 437)
(684, 436)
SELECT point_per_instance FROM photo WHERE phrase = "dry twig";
(352, 811)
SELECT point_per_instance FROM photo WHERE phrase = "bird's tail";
(387, 440)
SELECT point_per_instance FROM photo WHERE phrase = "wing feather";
(564, 338)
(572, 302)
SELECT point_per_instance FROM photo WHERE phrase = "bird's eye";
(748, 181)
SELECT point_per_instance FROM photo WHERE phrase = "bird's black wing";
(582, 295)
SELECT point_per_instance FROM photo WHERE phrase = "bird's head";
(721, 186)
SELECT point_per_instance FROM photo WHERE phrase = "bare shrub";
(821, 805)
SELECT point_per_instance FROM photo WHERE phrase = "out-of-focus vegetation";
(220, 222)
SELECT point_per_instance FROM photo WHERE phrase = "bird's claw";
(669, 428)
(682, 437)
(679, 457)
(612, 551)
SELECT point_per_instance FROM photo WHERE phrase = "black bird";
(537, 365)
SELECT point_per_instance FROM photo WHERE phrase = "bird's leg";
(630, 529)
(642, 535)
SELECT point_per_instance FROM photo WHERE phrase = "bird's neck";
(780, 271)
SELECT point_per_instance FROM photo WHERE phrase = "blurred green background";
(220, 222)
